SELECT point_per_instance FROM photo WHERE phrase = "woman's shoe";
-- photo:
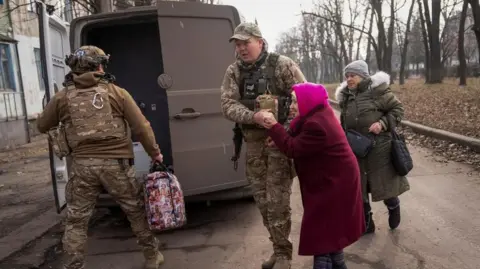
(369, 224)
(394, 217)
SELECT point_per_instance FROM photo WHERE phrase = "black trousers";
(335, 260)
(390, 203)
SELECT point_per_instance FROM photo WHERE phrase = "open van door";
(171, 58)
(196, 53)
(54, 45)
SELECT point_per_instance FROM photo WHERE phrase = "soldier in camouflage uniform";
(268, 171)
(97, 117)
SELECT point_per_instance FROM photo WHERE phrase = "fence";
(11, 106)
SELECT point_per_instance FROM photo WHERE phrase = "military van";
(171, 58)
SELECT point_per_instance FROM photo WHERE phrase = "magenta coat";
(329, 179)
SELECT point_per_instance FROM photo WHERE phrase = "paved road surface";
(440, 229)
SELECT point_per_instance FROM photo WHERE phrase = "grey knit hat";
(358, 67)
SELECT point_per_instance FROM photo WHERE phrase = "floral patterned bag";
(164, 201)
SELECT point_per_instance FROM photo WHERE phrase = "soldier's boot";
(153, 259)
(268, 264)
(282, 263)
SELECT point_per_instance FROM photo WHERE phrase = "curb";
(25, 234)
(470, 142)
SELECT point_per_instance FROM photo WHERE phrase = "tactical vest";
(257, 81)
(91, 117)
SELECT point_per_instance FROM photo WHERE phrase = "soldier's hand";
(158, 158)
(259, 117)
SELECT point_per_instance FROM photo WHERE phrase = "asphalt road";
(440, 229)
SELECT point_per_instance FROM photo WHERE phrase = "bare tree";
(363, 29)
(470, 46)
(417, 49)
(404, 48)
(475, 5)
(462, 69)
(370, 38)
(449, 34)
(431, 37)
(385, 39)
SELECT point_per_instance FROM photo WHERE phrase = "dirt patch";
(445, 106)
(25, 184)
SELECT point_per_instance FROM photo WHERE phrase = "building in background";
(13, 120)
(21, 83)
(26, 31)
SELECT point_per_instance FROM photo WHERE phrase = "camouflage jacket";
(287, 74)
(122, 104)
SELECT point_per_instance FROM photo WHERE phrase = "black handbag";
(401, 158)
(361, 145)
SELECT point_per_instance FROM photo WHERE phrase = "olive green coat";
(371, 102)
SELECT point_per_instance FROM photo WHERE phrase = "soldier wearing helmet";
(97, 117)
(269, 172)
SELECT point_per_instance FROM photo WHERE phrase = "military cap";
(245, 31)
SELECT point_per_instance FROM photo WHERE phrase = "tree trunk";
(436, 68)
(475, 5)
(462, 68)
(341, 37)
(405, 46)
(382, 42)
(425, 42)
(387, 57)
(361, 35)
(369, 38)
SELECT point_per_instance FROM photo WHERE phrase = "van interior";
(136, 62)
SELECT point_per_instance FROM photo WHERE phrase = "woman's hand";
(269, 121)
(376, 128)
(269, 142)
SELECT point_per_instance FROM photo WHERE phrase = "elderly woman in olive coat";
(367, 104)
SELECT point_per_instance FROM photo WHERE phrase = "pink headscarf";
(309, 96)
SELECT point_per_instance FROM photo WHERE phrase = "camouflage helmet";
(86, 59)
(245, 31)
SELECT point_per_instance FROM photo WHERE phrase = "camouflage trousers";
(85, 184)
(270, 176)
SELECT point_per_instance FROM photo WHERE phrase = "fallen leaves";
(444, 106)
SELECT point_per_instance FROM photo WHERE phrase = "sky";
(273, 16)
(277, 16)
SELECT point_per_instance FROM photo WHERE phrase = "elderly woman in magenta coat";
(328, 175)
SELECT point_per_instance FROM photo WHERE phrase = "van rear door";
(55, 45)
(196, 53)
